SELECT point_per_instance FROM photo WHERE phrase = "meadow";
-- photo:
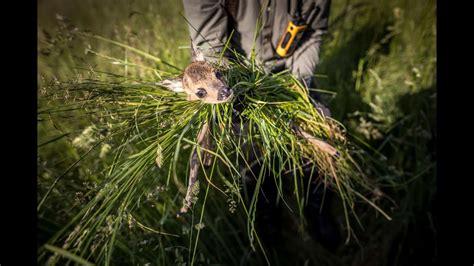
(377, 75)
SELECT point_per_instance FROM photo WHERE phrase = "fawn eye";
(218, 75)
(201, 93)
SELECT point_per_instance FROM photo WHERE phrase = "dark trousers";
(320, 224)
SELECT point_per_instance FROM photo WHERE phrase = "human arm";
(305, 59)
(207, 23)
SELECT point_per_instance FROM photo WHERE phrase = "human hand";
(315, 98)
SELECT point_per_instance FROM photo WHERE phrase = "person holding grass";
(282, 35)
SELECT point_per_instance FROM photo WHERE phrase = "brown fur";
(201, 74)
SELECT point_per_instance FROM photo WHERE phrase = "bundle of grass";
(152, 129)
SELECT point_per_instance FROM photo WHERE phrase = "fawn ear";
(196, 54)
(175, 85)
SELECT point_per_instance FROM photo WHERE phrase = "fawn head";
(201, 81)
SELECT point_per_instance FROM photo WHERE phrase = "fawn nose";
(224, 93)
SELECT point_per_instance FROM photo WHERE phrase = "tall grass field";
(114, 146)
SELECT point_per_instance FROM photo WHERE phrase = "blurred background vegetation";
(378, 69)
